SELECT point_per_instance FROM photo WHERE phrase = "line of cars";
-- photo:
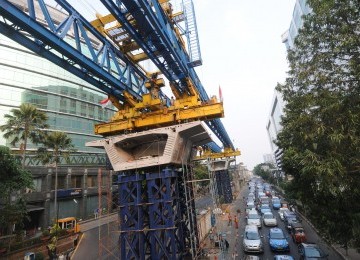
(259, 205)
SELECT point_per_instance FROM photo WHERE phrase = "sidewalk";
(229, 232)
(64, 246)
(94, 223)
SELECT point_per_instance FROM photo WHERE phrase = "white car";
(281, 212)
(269, 219)
(253, 218)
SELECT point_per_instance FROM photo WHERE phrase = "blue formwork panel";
(164, 214)
(151, 221)
(132, 238)
(223, 184)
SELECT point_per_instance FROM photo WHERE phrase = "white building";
(273, 125)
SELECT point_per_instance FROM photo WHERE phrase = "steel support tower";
(156, 195)
(147, 161)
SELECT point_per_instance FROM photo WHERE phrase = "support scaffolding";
(156, 196)
(154, 218)
(224, 186)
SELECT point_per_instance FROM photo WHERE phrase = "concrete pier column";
(68, 179)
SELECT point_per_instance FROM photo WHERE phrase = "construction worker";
(236, 222)
(230, 220)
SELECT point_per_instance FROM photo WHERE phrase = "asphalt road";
(95, 240)
(106, 240)
(264, 231)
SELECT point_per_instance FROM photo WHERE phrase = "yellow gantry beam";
(150, 112)
(228, 152)
(134, 118)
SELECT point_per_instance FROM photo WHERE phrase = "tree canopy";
(320, 136)
(55, 144)
(23, 124)
(265, 171)
(12, 179)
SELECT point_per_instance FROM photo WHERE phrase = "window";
(61, 182)
(91, 111)
(72, 106)
(37, 184)
(83, 109)
(91, 181)
(76, 181)
(63, 105)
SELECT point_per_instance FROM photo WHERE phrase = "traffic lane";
(311, 235)
(264, 231)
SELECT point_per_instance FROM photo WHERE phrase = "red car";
(297, 233)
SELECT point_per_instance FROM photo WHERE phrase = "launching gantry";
(218, 166)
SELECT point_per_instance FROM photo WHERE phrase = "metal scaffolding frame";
(155, 221)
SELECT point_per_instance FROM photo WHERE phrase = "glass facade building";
(300, 9)
(72, 105)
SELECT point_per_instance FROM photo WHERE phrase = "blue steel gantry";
(157, 210)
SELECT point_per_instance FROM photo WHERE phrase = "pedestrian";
(226, 244)
(211, 237)
(236, 222)
(238, 211)
(230, 220)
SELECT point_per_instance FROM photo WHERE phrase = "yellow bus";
(70, 224)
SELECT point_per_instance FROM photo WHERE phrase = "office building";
(273, 125)
(72, 106)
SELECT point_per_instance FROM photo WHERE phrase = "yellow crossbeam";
(136, 119)
(228, 152)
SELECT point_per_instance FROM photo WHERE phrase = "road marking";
(77, 246)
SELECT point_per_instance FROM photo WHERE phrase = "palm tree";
(56, 145)
(25, 123)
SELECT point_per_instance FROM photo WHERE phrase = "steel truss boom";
(154, 34)
(90, 56)
(105, 67)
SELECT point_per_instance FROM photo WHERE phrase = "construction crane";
(104, 57)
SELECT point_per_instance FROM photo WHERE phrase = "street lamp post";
(56, 207)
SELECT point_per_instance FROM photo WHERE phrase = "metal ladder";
(192, 33)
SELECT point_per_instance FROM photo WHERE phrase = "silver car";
(253, 218)
(269, 219)
(281, 212)
(252, 241)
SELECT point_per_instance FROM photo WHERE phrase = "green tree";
(56, 145)
(320, 136)
(201, 173)
(12, 179)
(265, 171)
(23, 124)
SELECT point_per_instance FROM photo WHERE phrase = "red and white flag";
(220, 94)
(105, 102)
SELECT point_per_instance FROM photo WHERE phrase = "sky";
(242, 52)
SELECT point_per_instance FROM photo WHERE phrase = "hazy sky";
(242, 52)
